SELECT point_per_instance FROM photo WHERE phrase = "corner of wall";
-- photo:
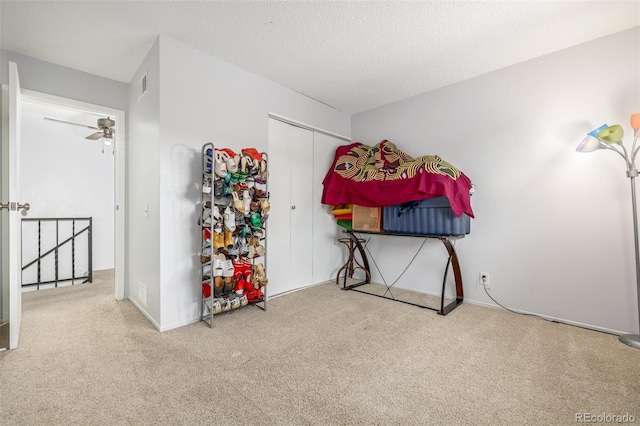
(143, 188)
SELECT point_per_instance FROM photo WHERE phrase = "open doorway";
(56, 133)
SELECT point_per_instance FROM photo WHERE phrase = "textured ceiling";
(351, 55)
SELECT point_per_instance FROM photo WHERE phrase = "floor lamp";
(610, 137)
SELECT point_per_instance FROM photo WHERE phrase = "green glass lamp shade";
(612, 134)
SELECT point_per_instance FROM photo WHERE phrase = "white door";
(289, 227)
(302, 248)
(12, 205)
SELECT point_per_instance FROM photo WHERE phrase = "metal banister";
(37, 261)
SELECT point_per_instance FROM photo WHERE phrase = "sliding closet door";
(290, 224)
(301, 206)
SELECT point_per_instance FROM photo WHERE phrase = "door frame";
(119, 173)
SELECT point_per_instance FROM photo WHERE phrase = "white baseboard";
(519, 311)
(547, 317)
(144, 312)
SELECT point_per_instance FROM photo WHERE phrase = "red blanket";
(382, 175)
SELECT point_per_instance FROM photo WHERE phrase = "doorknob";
(4, 206)
(25, 206)
(293, 207)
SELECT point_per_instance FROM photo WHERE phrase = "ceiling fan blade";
(71, 122)
(95, 136)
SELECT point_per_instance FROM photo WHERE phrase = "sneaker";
(226, 306)
(243, 300)
(234, 301)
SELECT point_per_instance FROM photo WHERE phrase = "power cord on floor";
(515, 312)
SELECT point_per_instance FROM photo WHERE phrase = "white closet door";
(302, 196)
(289, 230)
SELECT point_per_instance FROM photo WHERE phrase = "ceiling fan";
(105, 129)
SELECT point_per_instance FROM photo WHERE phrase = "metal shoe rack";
(233, 252)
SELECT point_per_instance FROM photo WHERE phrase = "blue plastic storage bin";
(432, 216)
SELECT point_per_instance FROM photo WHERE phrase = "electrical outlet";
(484, 279)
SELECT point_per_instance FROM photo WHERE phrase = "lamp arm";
(617, 151)
(634, 149)
(626, 157)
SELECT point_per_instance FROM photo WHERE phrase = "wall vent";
(142, 86)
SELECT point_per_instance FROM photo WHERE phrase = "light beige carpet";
(320, 356)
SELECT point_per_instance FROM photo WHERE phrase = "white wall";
(553, 227)
(63, 175)
(143, 191)
(45, 77)
(203, 99)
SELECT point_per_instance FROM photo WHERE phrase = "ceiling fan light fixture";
(107, 135)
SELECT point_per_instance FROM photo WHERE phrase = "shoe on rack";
(254, 295)
(243, 300)
(256, 220)
(258, 247)
(220, 165)
(264, 170)
(228, 269)
(234, 301)
(257, 232)
(218, 240)
(264, 204)
(218, 265)
(205, 217)
(238, 204)
(217, 188)
(251, 253)
(237, 270)
(216, 213)
(215, 306)
(246, 162)
(206, 235)
(226, 306)
(230, 164)
(253, 153)
(227, 188)
(218, 285)
(229, 219)
(206, 186)
(260, 186)
(228, 239)
(205, 255)
(259, 275)
(246, 199)
(228, 285)
(239, 286)
(206, 289)
(243, 248)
